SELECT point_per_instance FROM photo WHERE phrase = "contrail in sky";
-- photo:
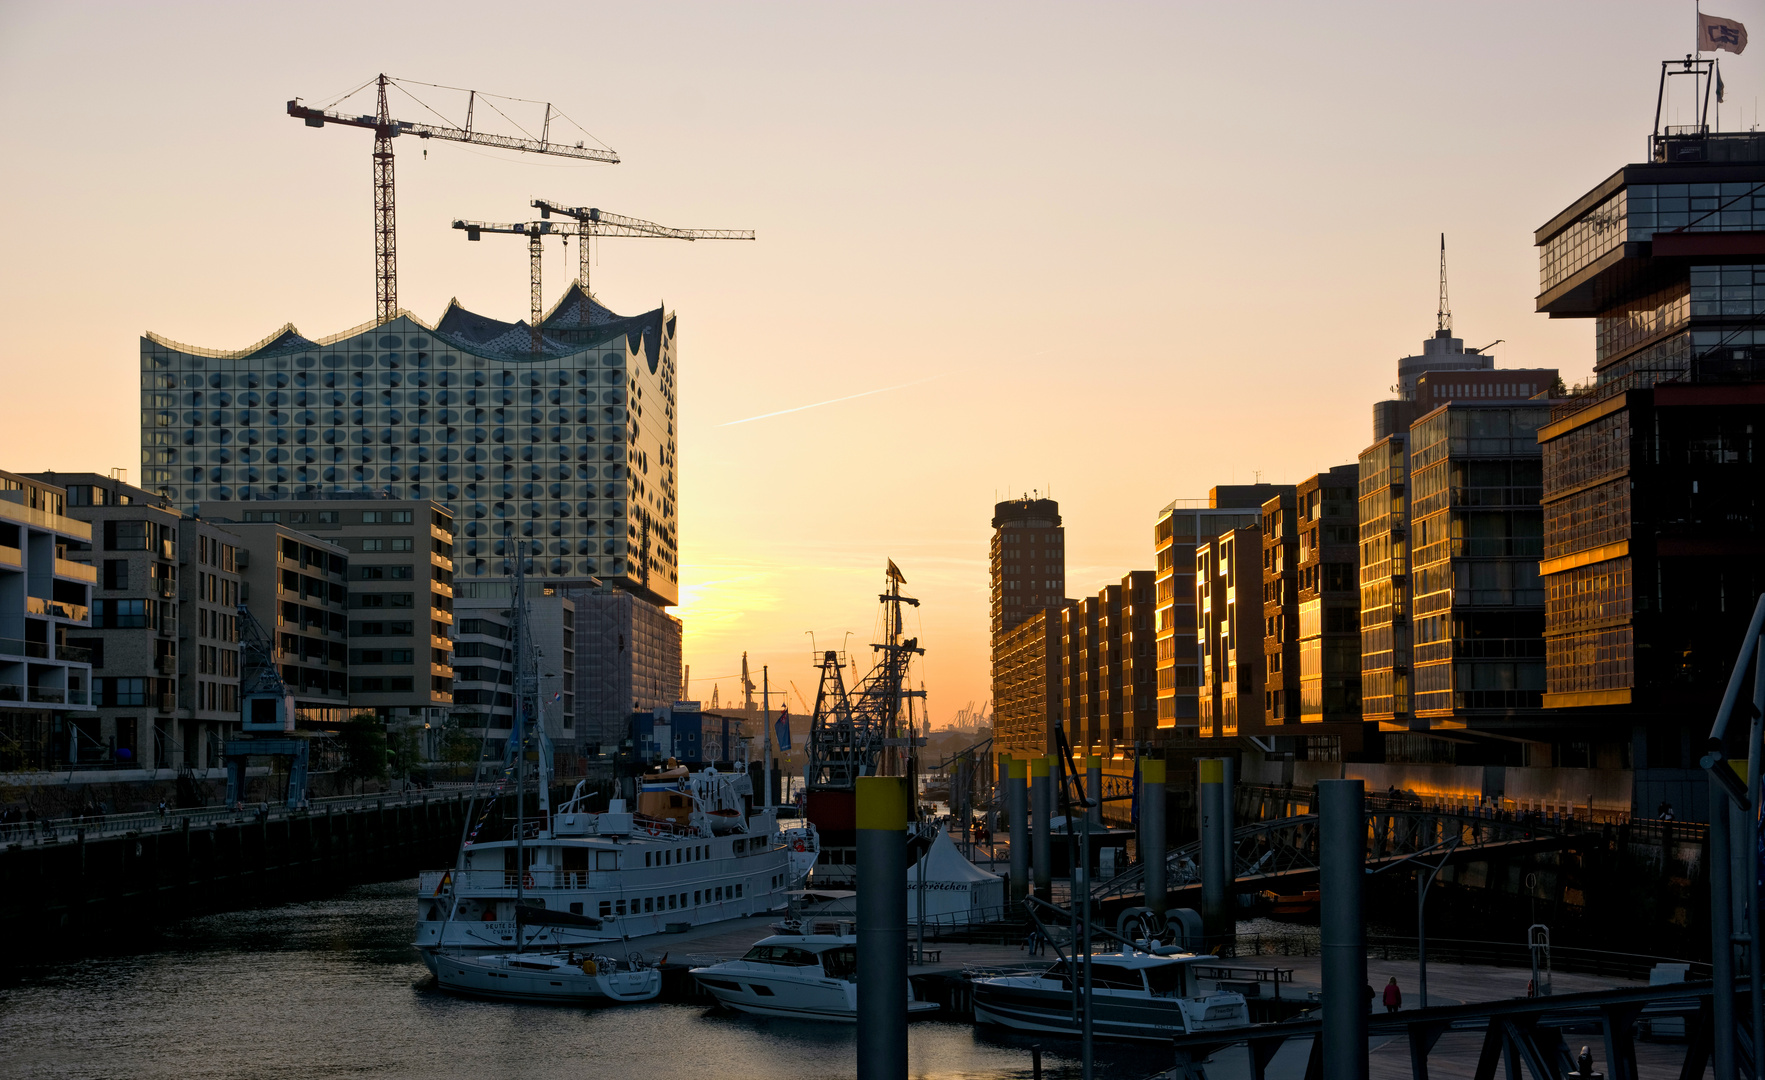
(830, 401)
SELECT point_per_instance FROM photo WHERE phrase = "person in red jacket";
(1393, 996)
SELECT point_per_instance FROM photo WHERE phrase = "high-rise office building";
(1028, 560)
(1280, 611)
(572, 449)
(1651, 475)
(1478, 606)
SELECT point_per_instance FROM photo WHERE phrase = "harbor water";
(331, 988)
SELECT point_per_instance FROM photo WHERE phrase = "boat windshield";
(1111, 977)
(785, 955)
(1166, 980)
(840, 963)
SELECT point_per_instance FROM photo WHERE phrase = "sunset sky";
(1114, 252)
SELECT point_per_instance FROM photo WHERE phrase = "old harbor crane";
(385, 129)
(589, 222)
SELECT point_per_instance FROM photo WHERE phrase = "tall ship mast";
(868, 730)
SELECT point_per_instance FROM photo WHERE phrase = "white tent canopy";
(955, 889)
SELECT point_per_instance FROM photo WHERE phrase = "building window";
(116, 574)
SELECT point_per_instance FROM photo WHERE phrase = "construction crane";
(597, 222)
(589, 222)
(385, 129)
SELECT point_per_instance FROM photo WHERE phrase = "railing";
(79, 571)
(96, 825)
(1514, 954)
(37, 605)
(40, 650)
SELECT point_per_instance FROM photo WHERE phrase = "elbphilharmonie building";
(569, 446)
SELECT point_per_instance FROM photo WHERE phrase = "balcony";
(43, 695)
(55, 609)
(11, 558)
(41, 650)
(78, 571)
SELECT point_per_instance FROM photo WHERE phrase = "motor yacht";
(806, 976)
(1134, 995)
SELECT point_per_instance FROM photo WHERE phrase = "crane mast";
(588, 222)
(385, 129)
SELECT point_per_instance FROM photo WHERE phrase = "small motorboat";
(567, 978)
(1303, 905)
(806, 976)
(1134, 995)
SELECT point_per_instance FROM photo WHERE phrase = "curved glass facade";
(571, 450)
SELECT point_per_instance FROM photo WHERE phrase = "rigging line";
(350, 94)
(436, 112)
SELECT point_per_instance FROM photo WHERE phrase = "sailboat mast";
(766, 728)
(518, 732)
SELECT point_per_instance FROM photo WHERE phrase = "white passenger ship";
(689, 856)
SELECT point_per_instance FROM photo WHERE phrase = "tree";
(364, 748)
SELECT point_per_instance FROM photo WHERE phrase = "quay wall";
(80, 891)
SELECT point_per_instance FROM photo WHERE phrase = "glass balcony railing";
(42, 650)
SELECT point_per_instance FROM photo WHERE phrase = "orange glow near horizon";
(1117, 254)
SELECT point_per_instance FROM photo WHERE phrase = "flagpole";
(766, 723)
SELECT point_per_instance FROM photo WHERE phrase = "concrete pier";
(79, 889)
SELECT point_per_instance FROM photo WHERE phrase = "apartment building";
(400, 594)
(297, 588)
(1228, 613)
(1179, 528)
(485, 677)
(1329, 614)
(1027, 685)
(1280, 611)
(47, 716)
(164, 638)
(1383, 513)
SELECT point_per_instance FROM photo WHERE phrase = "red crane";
(385, 129)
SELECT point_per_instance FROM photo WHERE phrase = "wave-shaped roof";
(577, 321)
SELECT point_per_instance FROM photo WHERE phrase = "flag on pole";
(1720, 35)
(784, 728)
(1721, 90)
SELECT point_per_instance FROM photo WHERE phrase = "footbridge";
(1285, 850)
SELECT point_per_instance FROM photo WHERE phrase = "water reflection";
(330, 988)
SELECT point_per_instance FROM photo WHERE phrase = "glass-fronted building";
(571, 448)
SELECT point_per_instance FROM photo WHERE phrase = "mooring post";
(1342, 831)
(1152, 844)
(1214, 875)
(1017, 803)
(882, 927)
(1041, 803)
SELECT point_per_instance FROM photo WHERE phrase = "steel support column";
(1215, 878)
(1152, 842)
(1017, 805)
(1041, 804)
(882, 803)
(1342, 829)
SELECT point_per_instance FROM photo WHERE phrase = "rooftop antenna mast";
(1443, 319)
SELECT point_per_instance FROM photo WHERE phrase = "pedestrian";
(1371, 997)
(1393, 996)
